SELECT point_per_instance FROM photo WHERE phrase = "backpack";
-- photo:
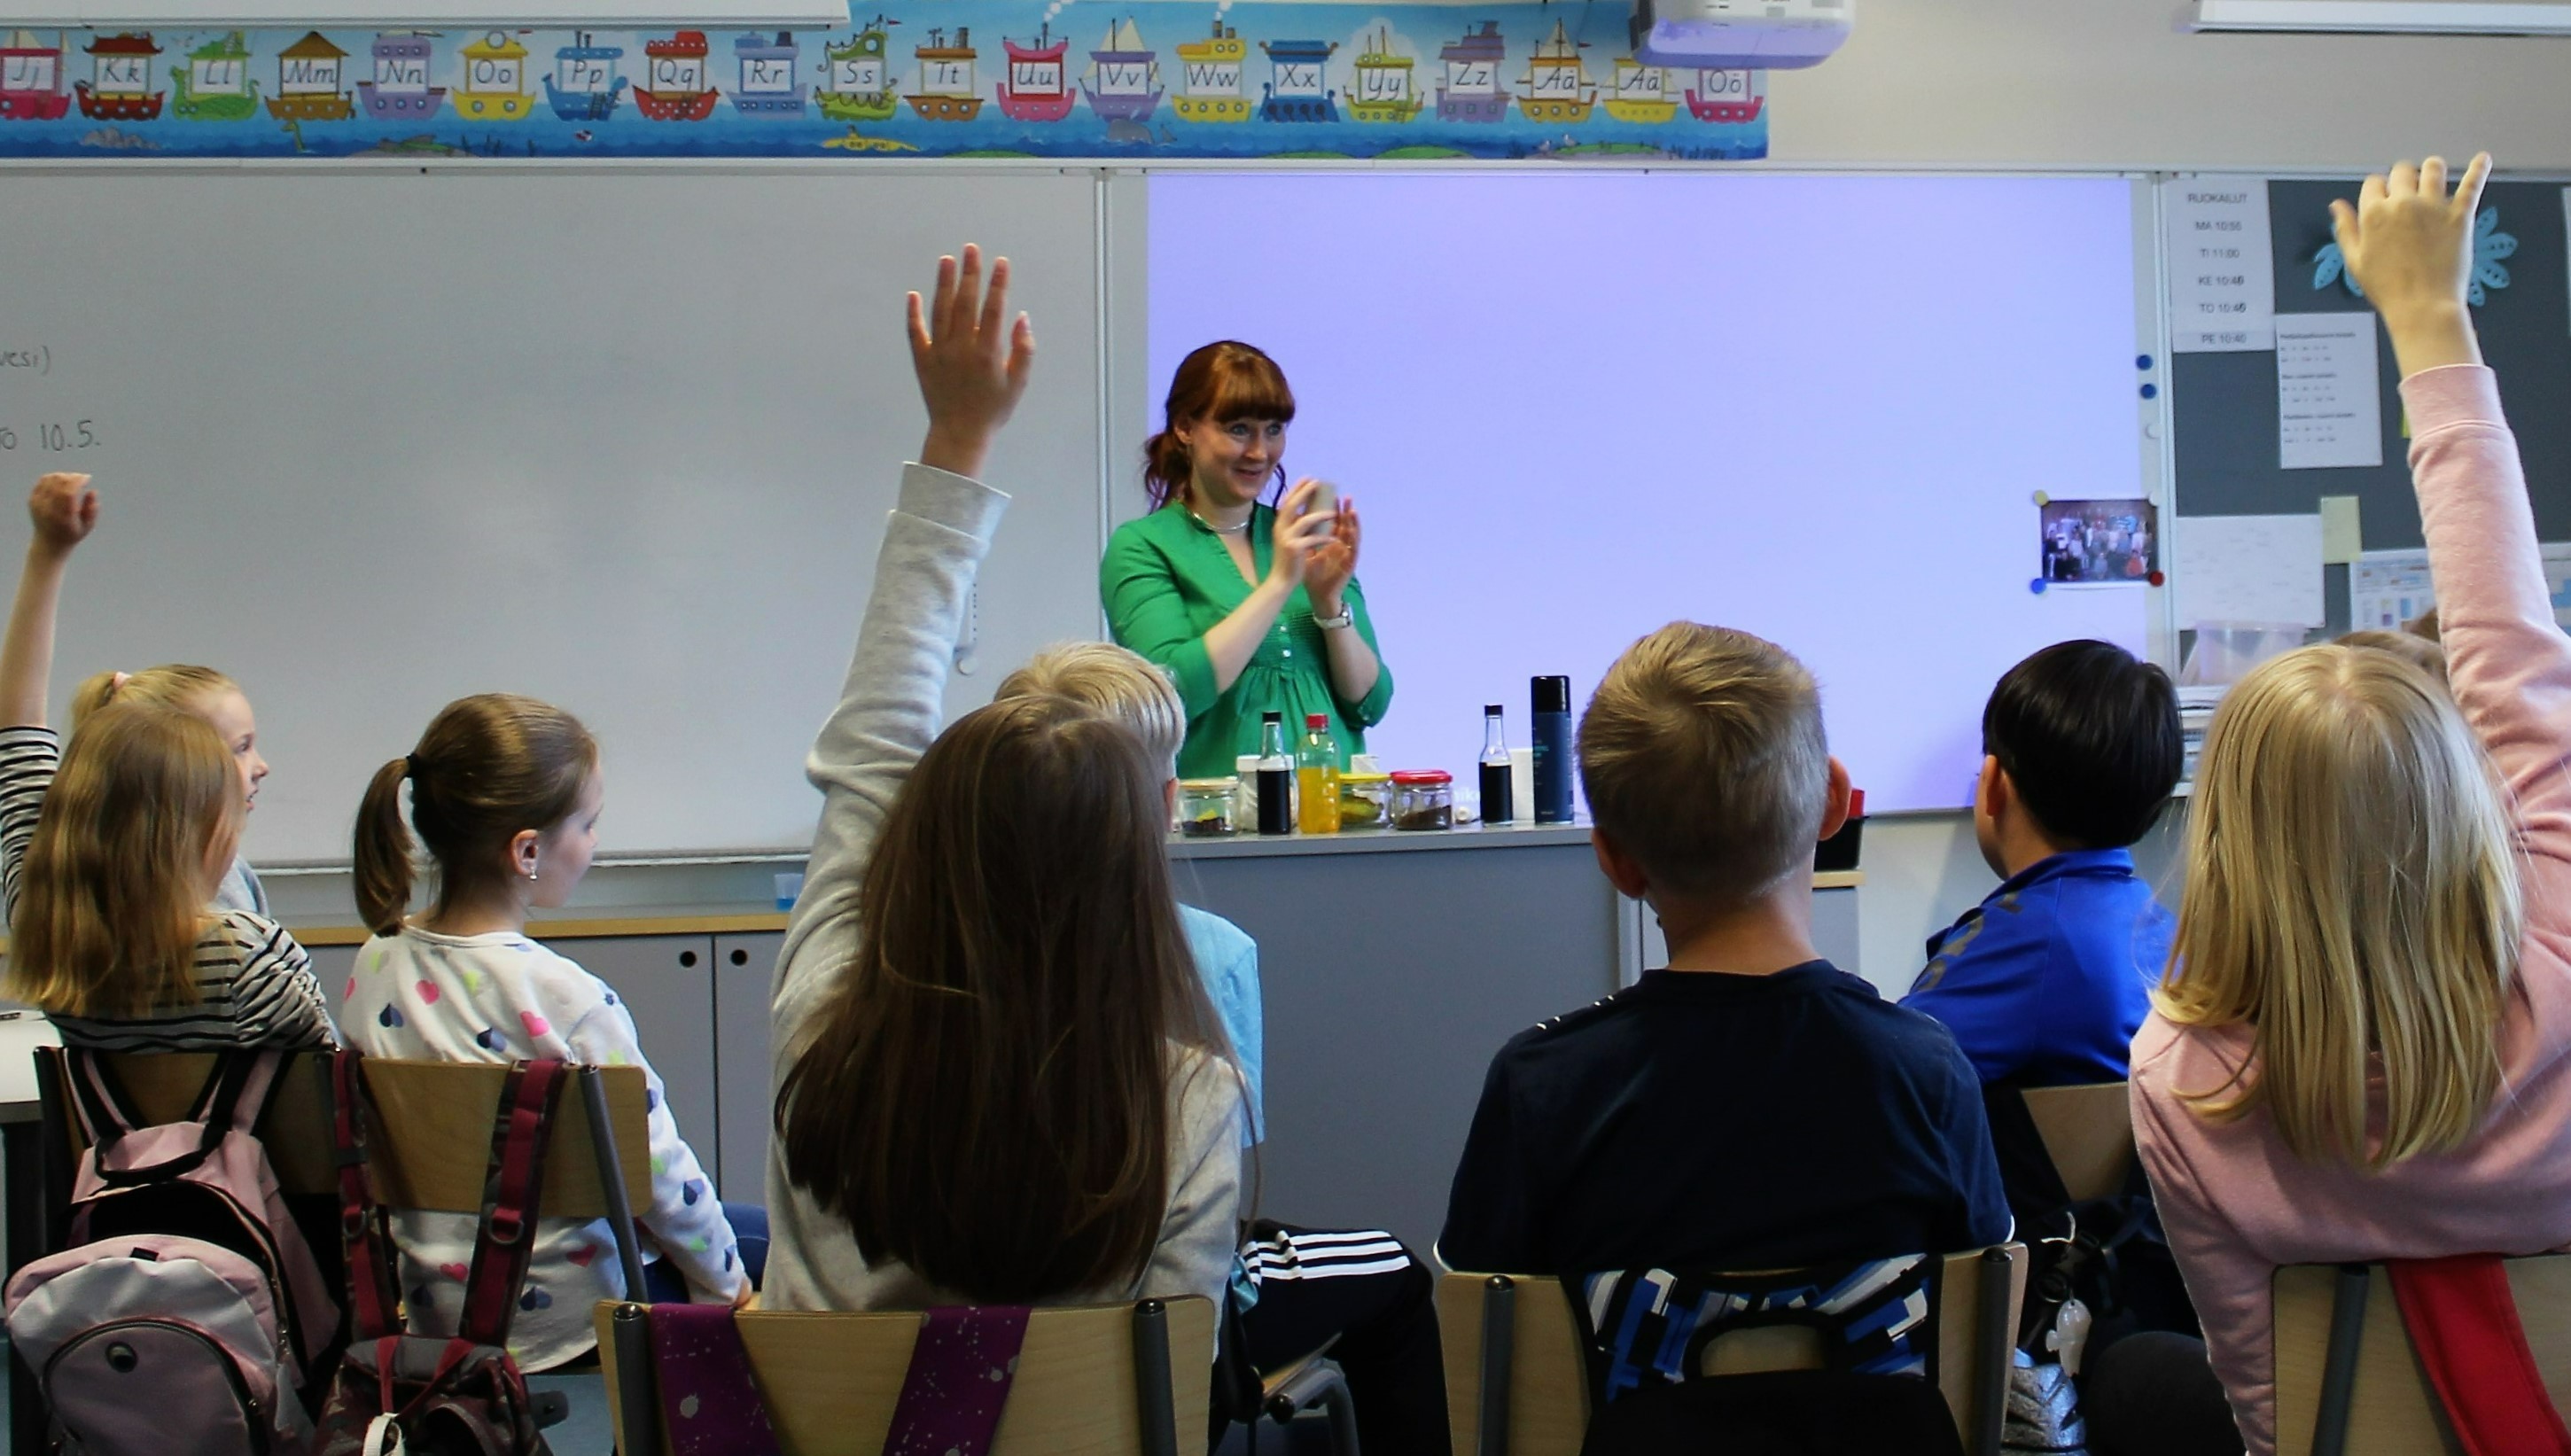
(188, 1300)
(1643, 1334)
(439, 1395)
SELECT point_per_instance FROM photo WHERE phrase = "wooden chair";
(2347, 1382)
(1515, 1385)
(1099, 1380)
(2090, 1133)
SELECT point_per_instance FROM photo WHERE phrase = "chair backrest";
(1548, 1396)
(2090, 1133)
(162, 1086)
(831, 1380)
(2392, 1408)
(430, 1146)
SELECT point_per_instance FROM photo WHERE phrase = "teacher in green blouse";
(1251, 609)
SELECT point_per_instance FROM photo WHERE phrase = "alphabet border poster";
(1132, 81)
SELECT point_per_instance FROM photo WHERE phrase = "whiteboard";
(1575, 406)
(619, 438)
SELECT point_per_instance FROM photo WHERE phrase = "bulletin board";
(2225, 405)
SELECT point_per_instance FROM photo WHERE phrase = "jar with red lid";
(1423, 799)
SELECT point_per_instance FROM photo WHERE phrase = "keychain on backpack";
(384, 1438)
(2069, 1335)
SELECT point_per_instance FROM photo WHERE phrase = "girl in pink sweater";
(2358, 1052)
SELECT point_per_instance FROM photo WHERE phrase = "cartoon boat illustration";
(677, 70)
(770, 86)
(1294, 91)
(494, 84)
(945, 91)
(120, 84)
(1728, 96)
(1472, 92)
(214, 85)
(400, 90)
(1209, 78)
(307, 83)
(584, 85)
(1383, 91)
(31, 80)
(1124, 81)
(1557, 85)
(1640, 93)
(858, 84)
(1034, 91)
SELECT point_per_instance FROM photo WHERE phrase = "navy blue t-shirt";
(1725, 1121)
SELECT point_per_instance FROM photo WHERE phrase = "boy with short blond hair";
(1751, 1107)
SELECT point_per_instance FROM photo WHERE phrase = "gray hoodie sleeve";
(889, 709)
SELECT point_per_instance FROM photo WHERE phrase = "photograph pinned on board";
(2099, 543)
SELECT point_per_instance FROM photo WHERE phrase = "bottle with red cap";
(1316, 777)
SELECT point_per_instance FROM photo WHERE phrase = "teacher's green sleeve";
(1366, 711)
(1148, 614)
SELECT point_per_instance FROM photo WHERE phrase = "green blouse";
(1167, 581)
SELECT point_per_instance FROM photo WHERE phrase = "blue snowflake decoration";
(2489, 247)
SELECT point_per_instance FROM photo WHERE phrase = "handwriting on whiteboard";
(49, 437)
(36, 356)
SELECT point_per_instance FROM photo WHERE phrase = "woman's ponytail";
(1165, 468)
(384, 852)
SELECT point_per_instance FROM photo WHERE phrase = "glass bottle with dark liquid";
(1498, 786)
(1276, 776)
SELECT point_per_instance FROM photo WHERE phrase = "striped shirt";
(254, 985)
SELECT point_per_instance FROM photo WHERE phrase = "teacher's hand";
(1300, 535)
(1326, 574)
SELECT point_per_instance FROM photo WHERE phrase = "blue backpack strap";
(710, 1401)
(1645, 1327)
(958, 1381)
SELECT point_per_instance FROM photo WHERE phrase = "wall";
(2112, 83)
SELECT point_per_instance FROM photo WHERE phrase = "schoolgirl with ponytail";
(505, 795)
(112, 852)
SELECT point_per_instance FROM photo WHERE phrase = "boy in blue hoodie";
(2045, 982)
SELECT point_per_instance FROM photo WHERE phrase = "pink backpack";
(188, 1300)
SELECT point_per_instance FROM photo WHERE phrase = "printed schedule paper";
(2330, 408)
(2222, 285)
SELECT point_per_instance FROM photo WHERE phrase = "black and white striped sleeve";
(29, 757)
(276, 999)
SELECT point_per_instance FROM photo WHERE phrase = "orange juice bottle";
(1316, 777)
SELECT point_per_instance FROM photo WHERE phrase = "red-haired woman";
(1251, 608)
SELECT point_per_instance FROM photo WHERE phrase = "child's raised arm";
(65, 510)
(2407, 241)
(972, 362)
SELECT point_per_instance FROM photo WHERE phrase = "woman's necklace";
(1222, 530)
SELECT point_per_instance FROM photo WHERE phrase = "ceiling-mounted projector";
(1733, 35)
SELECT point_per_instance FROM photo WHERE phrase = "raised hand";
(2407, 241)
(1326, 574)
(970, 359)
(64, 510)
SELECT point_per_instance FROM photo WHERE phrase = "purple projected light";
(1573, 407)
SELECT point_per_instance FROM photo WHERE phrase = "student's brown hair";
(1220, 382)
(111, 893)
(486, 768)
(985, 1096)
(1702, 757)
(181, 686)
(2422, 652)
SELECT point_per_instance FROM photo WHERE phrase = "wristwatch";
(1347, 618)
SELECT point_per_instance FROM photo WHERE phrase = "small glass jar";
(1423, 799)
(1365, 800)
(1206, 806)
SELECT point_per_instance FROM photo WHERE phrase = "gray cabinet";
(745, 965)
(667, 982)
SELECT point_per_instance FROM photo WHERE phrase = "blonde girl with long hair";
(110, 879)
(2359, 1050)
(216, 698)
